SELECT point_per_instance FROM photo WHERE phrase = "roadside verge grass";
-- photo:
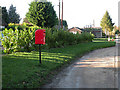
(22, 69)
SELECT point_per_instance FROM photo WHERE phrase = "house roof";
(77, 28)
(84, 29)
(97, 27)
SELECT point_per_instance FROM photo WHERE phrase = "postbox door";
(40, 37)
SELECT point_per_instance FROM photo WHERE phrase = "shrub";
(18, 26)
(9, 41)
(17, 40)
(24, 40)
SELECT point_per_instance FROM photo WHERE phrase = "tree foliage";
(42, 14)
(14, 17)
(106, 22)
(64, 23)
(117, 32)
(0, 16)
(5, 18)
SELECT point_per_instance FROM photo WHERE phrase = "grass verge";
(22, 69)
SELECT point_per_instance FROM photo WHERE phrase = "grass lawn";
(22, 69)
(100, 39)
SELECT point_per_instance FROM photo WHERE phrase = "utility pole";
(59, 16)
(62, 16)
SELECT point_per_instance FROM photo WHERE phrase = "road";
(93, 70)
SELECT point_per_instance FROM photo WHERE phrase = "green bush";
(9, 41)
(63, 38)
(18, 26)
(17, 40)
(24, 39)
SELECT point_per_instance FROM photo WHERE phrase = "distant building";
(74, 30)
(97, 31)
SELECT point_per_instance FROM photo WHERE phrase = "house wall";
(97, 32)
(74, 31)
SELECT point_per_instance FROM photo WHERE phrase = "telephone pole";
(59, 16)
(62, 16)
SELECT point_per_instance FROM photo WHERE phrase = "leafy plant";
(13, 16)
(9, 41)
(24, 39)
(42, 14)
(106, 23)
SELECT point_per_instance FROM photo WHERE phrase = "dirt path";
(93, 70)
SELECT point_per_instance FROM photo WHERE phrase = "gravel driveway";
(93, 70)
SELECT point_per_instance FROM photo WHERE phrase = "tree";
(106, 23)
(64, 23)
(0, 16)
(13, 16)
(117, 32)
(5, 18)
(42, 14)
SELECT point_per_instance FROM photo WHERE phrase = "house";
(74, 30)
(97, 31)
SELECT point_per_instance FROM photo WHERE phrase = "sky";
(77, 13)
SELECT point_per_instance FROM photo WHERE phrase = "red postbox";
(40, 36)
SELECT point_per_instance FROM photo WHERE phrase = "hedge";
(24, 40)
